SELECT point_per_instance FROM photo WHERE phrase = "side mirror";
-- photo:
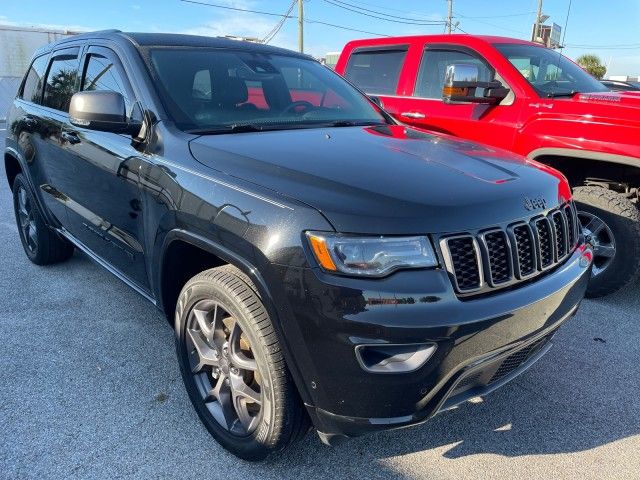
(101, 110)
(461, 82)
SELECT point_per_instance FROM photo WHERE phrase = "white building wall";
(17, 45)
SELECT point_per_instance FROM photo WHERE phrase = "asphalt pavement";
(90, 388)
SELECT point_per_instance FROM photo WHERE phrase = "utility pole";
(536, 30)
(450, 15)
(300, 26)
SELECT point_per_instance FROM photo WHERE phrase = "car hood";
(386, 179)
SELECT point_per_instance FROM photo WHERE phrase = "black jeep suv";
(323, 264)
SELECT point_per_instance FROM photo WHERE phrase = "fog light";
(386, 358)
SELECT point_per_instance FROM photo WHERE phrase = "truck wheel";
(232, 366)
(611, 223)
(42, 245)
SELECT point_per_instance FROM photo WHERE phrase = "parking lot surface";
(90, 388)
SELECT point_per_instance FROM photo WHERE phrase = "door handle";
(416, 115)
(71, 137)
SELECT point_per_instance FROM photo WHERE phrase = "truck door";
(489, 124)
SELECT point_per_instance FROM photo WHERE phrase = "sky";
(609, 29)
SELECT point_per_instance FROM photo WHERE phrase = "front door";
(103, 198)
(489, 124)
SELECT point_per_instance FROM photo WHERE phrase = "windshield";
(209, 90)
(548, 72)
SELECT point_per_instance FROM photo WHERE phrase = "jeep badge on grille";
(536, 203)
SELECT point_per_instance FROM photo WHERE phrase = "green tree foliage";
(60, 89)
(592, 64)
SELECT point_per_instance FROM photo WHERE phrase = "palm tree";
(592, 64)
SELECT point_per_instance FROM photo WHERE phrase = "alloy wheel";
(27, 221)
(601, 238)
(223, 368)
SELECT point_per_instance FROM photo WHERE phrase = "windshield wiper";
(562, 94)
(249, 127)
(350, 123)
(236, 128)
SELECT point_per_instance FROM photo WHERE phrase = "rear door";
(494, 125)
(377, 71)
(60, 84)
(34, 128)
(102, 168)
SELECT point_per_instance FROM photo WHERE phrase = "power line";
(620, 45)
(407, 21)
(601, 47)
(383, 8)
(489, 24)
(566, 22)
(505, 16)
(273, 14)
(457, 27)
(237, 9)
(367, 11)
(345, 28)
(271, 35)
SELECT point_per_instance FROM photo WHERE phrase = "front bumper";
(482, 343)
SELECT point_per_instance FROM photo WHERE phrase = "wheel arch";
(580, 165)
(176, 242)
(12, 167)
(219, 255)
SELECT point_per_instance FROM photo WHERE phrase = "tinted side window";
(376, 72)
(434, 66)
(102, 74)
(61, 82)
(32, 89)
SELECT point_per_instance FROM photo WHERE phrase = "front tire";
(232, 365)
(611, 223)
(41, 244)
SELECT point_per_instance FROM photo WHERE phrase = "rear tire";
(42, 245)
(244, 395)
(611, 223)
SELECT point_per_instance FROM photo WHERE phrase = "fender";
(586, 154)
(256, 277)
(24, 167)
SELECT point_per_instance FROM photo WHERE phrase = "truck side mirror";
(461, 82)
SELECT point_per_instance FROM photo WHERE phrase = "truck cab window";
(376, 72)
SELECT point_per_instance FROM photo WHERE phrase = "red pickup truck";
(526, 98)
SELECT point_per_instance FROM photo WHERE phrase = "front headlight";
(370, 256)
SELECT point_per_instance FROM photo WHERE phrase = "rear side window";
(61, 82)
(434, 66)
(32, 89)
(376, 71)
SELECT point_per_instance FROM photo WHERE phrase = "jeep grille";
(497, 257)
